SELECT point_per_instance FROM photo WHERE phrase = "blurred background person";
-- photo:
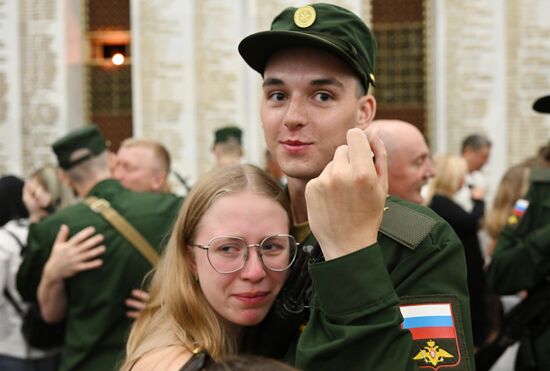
(95, 318)
(512, 186)
(410, 165)
(227, 147)
(450, 174)
(15, 353)
(476, 149)
(143, 165)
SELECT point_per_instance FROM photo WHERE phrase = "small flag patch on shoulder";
(520, 207)
(433, 330)
(429, 321)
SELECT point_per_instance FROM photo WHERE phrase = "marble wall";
(487, 60)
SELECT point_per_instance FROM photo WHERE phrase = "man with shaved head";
(409, 163)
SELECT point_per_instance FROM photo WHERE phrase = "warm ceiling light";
(117, 59)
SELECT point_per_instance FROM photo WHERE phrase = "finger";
(62, 234)
(140, 294)
(86, 266)
(341, 155)
(132, 314)
(135, 304)
(93, 253)
(89, 243)
(360, 152)
(82, 235)
(379, 150)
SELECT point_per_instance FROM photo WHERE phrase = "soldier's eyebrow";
(327, 81)
(272, 81)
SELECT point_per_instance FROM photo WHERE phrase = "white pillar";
(11, 153)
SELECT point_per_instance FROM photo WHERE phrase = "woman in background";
(512, 186)
(15, 353)
(449, 177)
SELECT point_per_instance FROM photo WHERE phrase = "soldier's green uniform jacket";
(96, 322)
(416, 272)
(521, 260)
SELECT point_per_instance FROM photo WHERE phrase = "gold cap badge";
(304, 16)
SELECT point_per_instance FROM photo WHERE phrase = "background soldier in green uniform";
(227, 146)
(521, 261)
(92, 302)
(317, 65)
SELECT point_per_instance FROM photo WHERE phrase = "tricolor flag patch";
(520, 207)
(433, 330)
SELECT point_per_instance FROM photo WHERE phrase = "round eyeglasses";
(228, 254)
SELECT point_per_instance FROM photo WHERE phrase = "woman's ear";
(192, 259)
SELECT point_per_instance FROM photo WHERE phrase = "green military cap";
(542, 104)
(223, 134)
(320, 26)
(88, 137)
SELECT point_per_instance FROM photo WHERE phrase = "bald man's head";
(409, 163)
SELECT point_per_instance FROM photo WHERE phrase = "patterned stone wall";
(41, 69)
(527, 76)
(487, 62)
(10, 106)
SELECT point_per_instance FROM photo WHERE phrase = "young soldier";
(91, 301)
(228, 145)
(521, 261)
(379, 266)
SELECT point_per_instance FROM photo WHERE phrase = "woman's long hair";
(178, 312)
(48, 177)
(512, 186)
(450, 171)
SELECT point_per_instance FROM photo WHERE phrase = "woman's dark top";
(466, 226)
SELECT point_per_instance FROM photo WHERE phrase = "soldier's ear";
(366, 112)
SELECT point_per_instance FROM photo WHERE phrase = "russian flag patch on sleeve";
(433, 330)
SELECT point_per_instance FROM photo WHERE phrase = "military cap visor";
(335, 30)
(542, 104)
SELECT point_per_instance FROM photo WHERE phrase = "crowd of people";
(362, 251)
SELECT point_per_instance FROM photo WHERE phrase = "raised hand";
(346, 201)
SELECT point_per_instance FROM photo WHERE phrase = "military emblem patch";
(433, 329)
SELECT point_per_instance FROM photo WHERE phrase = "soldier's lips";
(295, 146)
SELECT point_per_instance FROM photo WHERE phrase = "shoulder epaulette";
(540, 175)
(406, 225)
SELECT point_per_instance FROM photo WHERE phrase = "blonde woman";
(225, 263)
(513, 185)
(450, 173)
